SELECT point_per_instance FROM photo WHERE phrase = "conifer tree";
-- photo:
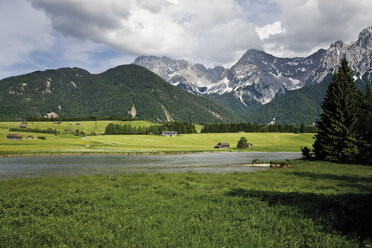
(336, 138)
(365, 128)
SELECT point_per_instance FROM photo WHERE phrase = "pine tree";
(365, 128)
(336, 138)
(302, 128)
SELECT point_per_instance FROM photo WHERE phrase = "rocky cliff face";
(194, 78)
(261, 77)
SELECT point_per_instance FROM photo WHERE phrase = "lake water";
(222, 162)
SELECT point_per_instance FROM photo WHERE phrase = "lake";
(222, 162)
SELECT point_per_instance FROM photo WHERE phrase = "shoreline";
(41, 154)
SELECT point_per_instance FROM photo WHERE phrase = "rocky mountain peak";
(338, 44)
(365, 39)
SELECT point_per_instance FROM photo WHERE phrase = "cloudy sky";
(100, 34)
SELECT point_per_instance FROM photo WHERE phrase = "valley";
(69, 144)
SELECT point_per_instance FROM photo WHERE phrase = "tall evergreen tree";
(365, 128)
(336, 139)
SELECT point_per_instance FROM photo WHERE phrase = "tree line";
(249, 127)
(34, 130)
(178, 126)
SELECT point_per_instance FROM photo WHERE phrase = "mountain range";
(258, 88)
(250, 86)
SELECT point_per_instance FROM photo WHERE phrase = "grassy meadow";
(309, 204)
(65, 143)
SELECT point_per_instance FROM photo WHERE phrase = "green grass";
(70, 144)
(268, 142)
(310, 204)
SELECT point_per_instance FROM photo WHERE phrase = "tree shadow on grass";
(349, 181)
(349, 214)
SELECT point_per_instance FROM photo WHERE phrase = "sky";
(100, 34)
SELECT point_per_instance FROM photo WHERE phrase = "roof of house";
(12, 135)
(223, 144)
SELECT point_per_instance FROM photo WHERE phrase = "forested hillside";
(128, 90)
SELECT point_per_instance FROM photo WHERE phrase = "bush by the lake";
(307, 152)
(279, 164)
(256, 161)
(242, 143)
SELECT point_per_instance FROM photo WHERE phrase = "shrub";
(242, 143)
(306, 152)
(256, 161)
(41, 137)
(279, 164)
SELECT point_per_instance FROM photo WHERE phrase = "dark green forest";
(178, 126)
(251, 127)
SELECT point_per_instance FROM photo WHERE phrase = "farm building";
(249, 144)
(14, 136)
(169, 133)
(24, 122)
(30, 137)
(222, 145)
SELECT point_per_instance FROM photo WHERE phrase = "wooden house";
(222, 145)
(14, 136)
(169, 133)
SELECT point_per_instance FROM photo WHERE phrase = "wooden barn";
(14, 136)
(169, 133)
(222, 145)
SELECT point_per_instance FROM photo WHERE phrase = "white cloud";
(269, 29)
(196, 29)
(312, 24)
(96, 34)
(23, 30)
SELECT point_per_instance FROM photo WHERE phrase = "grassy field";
(310, 204)
(69, 144)
(86, 126)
